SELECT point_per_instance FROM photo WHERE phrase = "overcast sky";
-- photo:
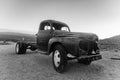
(97, 16)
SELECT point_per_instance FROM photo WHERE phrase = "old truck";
(54, 37)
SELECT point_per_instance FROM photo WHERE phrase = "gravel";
(34, 66)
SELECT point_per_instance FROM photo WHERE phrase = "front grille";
(87, 45)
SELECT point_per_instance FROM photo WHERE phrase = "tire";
(20, 48)
(59, 58)
(84, 61)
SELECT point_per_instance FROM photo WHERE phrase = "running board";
(42, 52)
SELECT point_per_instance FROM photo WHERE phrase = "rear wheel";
(84, 61)
(20, 48)
(59, 58)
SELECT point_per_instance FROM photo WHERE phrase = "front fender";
(70, 44)
(51, 42)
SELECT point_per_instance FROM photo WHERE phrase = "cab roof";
(53, 22)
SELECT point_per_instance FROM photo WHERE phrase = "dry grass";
(33, 66)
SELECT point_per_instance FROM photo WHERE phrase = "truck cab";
(47, 31)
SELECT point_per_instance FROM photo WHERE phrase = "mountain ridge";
(110, 43)
(16, 36)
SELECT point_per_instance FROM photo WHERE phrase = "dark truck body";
(77, 45)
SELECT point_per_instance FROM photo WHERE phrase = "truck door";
(43, 36)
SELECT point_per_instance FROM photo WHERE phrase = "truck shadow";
(87, 70)
(72, 67)
(74, 70)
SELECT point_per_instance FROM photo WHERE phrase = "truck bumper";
(91, 57)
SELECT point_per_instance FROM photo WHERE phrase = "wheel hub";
(17, 48)
(57, 58)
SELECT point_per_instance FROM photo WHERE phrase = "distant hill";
(14, 36)
(110, 43)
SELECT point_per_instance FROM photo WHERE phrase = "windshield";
(61, 27)
(64, 29)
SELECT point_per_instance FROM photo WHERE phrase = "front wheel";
(20, 48)
(59, 58)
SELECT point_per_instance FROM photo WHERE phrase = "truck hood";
(79, 35)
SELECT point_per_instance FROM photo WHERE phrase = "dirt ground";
(34, 66)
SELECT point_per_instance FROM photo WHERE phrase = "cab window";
(45, 26)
